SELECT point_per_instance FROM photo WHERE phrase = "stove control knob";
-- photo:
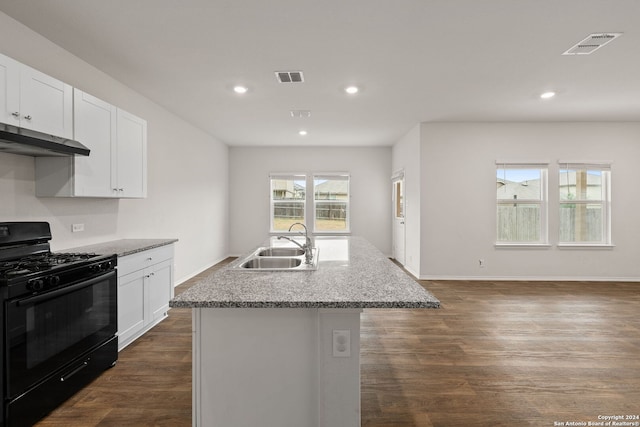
(106, 265)
(53, 281)
(35, 284)
(95, 268)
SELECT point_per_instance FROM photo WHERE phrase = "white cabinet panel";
(160, 294)
(130, 299)
(131, 160)
(145, 285)
(46, 104)
(34, 100)
(9, 91)
(95, 127)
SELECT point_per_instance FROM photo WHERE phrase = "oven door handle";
(65, 290)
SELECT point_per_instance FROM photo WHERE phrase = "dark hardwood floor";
(496, 354)
(504, 354)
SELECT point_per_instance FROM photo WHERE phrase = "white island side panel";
(274, 367)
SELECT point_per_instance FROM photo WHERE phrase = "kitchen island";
(281, 348)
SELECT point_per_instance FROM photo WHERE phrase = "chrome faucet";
(308, 251)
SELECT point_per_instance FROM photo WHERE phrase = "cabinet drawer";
(140, 260)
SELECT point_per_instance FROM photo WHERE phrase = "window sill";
(297, 232)
(331, 232)
(285, 232)
(522, 245)
(585, 246)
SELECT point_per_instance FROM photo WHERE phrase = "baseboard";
(189, 276)
(533, 278)
(413, 273)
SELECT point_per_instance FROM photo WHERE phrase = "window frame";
(543, 203)
(342, 176)
(605, 202)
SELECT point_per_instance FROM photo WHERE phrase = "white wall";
(370, 170)
(406, 157)
(187, 171)
(458, 193)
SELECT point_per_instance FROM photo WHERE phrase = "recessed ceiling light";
(547, 95)
(351, 90)
(240, 89)
(302, 133)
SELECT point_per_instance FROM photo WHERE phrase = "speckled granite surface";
(122, 247)
(351, 273)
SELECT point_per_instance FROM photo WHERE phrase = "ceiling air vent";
(290, 76)
(300, 114)
(592, 43)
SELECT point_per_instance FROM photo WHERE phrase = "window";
(521, 193)
(288, 195)
(398, 198)
(584, 203)
(331, 203)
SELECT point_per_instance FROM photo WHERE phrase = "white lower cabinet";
(145, 286)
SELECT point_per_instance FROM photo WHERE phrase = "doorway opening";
(398, 217)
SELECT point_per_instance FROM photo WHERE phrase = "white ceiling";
(415, 60)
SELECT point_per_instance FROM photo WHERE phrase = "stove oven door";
(47, 331)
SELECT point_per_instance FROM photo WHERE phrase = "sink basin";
(281, 252)
(271, 263)
(269, 258)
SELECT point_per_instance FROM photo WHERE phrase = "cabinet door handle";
(27, 117)
(16, 114)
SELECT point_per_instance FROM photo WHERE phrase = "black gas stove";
(59, 321)
(48, 271)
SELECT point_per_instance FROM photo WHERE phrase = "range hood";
(28, 142)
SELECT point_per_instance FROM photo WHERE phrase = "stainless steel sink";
(277, 259)
(287, 252)
(275, 263)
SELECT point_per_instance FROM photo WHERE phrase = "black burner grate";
(39, 262)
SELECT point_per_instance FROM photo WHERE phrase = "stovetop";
(44, 263)
(27, 265)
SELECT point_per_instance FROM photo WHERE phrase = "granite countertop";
(351, 273)
(123, 247)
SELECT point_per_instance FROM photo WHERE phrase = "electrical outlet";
(481, 263)
(77, 227)
(342, 343)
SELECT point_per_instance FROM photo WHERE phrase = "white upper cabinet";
(95, 127)
(46, 104)
(9, 91)
(130, 166)
(34, 100)
(117, 164)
